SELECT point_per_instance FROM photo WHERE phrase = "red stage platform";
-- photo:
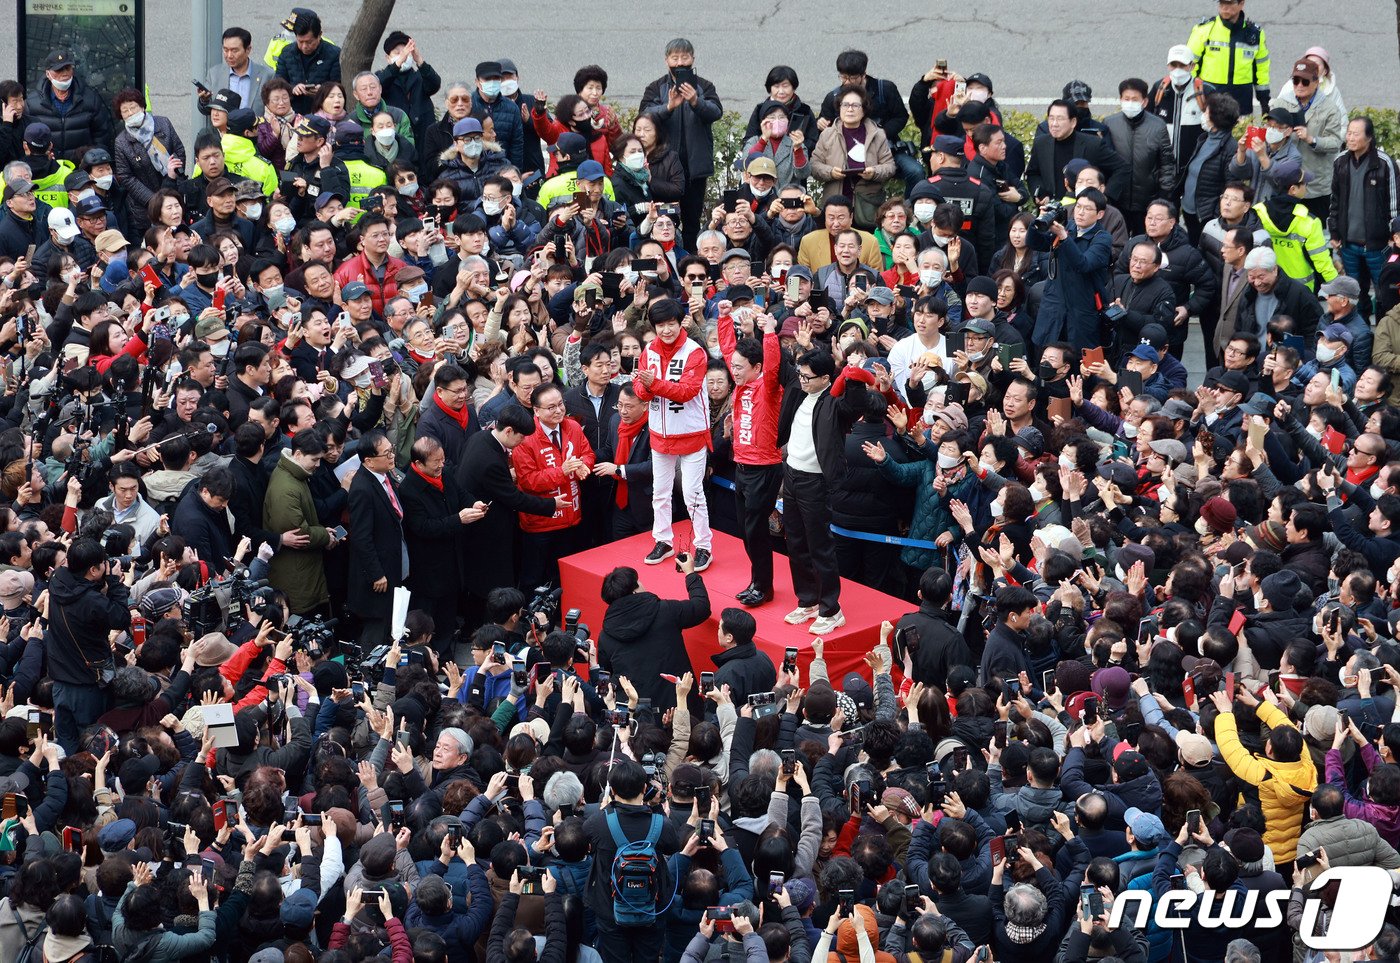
(582, 577)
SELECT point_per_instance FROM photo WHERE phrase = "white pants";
(663, 472)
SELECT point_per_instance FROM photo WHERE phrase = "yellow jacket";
(1299, 245)
(1233, 58)
(1284, 787)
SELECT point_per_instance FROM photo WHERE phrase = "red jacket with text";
(538, 470)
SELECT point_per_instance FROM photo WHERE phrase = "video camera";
(545, 602)
(313, 636)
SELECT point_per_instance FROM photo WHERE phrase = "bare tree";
(357, 52)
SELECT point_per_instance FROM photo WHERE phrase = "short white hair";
(938, 252)
(1261, 258)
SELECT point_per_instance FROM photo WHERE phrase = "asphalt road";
(1029, 55)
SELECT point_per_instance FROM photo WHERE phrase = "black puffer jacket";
(80, 616)
(641, 638)
(934, 642)
(865, 499)
(1268, 633)
(86, 124)
(1215, 173)
(745, 670)
(1185, 269)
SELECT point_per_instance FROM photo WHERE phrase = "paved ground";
(1098, 42)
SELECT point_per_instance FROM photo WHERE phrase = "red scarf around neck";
(435, 482)
(626, 434)
(462, 416)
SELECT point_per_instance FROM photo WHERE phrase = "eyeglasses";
(1302, 82)
(804, 378)
(382, 454)
(557, 406)
(1140, 261)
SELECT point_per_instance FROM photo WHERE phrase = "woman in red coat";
(572, 114)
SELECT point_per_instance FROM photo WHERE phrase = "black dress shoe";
(753, 597)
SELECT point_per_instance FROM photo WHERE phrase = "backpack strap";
(654, 833)
(615, 828)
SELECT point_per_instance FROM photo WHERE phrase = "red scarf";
(667, 246)
(626, 434)
(435, 482)
(1363, 476)
(462, 416)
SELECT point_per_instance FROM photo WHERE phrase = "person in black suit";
(1060, 143)
(449, 417)
(484, 475)
(434, 520)
(378, 555)
(630, 496)
(592, 404)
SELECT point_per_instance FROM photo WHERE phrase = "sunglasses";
(1302, 82)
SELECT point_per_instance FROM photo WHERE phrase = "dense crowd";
(298, 420)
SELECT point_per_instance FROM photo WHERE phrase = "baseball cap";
(1194, 748)
(61, 220)
(1077, 90)
(325, 197)
(109, 241)
(1286, 174)
(880, 295)
(982, 79)
(1130, 765)
(1259, 404)
(219, 185)
(465, 127)
(1178, 410)
(1282, 115)
(1180, 54)
(1305, 68)
(59, 59)
(249, 190)
(1338, 332)
(590, 170)
(979, 326)
(763, 167)
(313, 126)
(570, 145)
(353, 291)
(948, 144)
(1342, 286)
(349, 132)
(1145, 826)
(207, 329)
(226, 100)
(735, 253)
(1233, 381)
(17, 187)
(135, 773)
(89, 206)
(15, 585)
(1147, 353)
(241, 121)
(507, 66)
(38, 135)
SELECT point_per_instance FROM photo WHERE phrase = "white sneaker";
(800, 614)
(827, 623)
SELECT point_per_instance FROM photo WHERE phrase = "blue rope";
(850, 533)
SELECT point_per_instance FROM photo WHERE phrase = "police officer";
(49, 174)
(1298, 241)
(977, 200)
(241, 157)
(314, 168)
(1232, 56)
(350, 150)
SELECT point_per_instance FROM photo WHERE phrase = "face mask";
(490, 88)
(1129, 431)
(63, 242)
(285, 225)
(946, 462)
(1131, 108)
(135, 121)
(510, 87)
(995, 509)
(779, 126)
(1037, 493)
(207, 279)
(923, 213)
(408, 190)
(254, 211)
(275, 296)
(627, 364)
(385, 137)
(1315, 432)
(485, 247)
(1202, 529)
(1326, 355)
(104, 182)
(62, 84)
(976, 356)
(1179, 76)
(1376, 490)
(517, 187)
(1274, 136)
(1119, 574)
(364, 380)
(761, 193)
(472, 148)
(630, 275)
(1047, 371)
(490, 208)
(979, 95)
(930, 279)
(415, 293)
(1067, 463)
(940, 240)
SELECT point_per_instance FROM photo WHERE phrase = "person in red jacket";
(550, 463)
(373, 267)
(758, 469)
(671, 379)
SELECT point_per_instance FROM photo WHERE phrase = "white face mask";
(1326, 355)
(761, 193)
(1037, 493)
(1274, 136)
(1202, 528)
(940, 240)
(1067, 463)
(135, 121)
(489, 207)
(923, 213)
(1376, 490)
(285, 225)
(995, 509)
(930, 279)
(517, 188)
(635, 162)
(979, 94)
(472, 148)
(629, 275)
(253, 212)
(509, 88)
(104, 182)
(946, 462)
(1129, 431)
(1180, 76)
(1131, 108)
(408, 190)
(1315, 432)
(976, 356)
(386, 136)
(62, 84)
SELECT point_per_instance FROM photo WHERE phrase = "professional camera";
(313, 636)
(1052, 211)
(545, 602)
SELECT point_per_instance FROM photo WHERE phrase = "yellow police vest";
(50, 189)
(1300, 246)
(364, 177)
(1227, 58)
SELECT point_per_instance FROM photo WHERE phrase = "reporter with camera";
(1079, 271)
(87, 599)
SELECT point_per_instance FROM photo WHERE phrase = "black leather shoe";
(753, 597)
